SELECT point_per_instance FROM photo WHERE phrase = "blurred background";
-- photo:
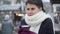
(16, 9)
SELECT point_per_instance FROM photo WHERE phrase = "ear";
(40, 8)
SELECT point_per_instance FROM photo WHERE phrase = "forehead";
(31, 6)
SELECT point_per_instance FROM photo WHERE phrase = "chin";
(29, 15)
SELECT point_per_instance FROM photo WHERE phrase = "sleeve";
(12, 25)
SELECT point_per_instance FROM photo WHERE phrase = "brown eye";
(27, 8)
(32, 8)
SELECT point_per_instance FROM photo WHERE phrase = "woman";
(40, 22)
(7, 25)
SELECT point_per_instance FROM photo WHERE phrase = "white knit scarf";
(36, 20)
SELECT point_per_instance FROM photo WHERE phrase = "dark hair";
(38, 3)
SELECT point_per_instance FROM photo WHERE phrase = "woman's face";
(32, 9)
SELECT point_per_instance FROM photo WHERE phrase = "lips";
(30, 14)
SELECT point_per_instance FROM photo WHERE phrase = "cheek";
(35, 11)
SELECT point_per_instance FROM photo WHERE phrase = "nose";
(30, 12)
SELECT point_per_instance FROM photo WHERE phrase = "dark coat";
(7, 27)
(46, 26)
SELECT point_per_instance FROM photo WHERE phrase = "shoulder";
(48, 20)
(46, 27)
(47, 23)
